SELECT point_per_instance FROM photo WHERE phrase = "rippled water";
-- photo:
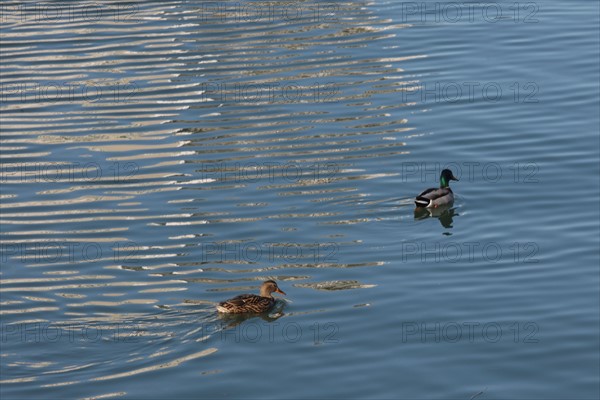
(158, 157)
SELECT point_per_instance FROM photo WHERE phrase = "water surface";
(158, 157)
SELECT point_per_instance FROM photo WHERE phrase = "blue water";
(159, 157)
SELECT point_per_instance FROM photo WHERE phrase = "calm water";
(158, 157)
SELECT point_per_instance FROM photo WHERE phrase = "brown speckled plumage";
(252, 303)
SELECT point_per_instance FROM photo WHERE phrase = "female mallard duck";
(251, 303)
(438, 197)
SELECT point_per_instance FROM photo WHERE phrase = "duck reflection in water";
(444, 213)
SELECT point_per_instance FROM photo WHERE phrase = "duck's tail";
(421, 201)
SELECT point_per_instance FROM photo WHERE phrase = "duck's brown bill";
(280, 291)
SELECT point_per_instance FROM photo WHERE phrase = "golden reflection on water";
(151, 155)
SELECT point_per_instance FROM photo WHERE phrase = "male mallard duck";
(251, 303)
(438, 197)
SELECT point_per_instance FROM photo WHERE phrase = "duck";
(435, 197)
(252, 303)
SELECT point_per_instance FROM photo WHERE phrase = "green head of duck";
(445, 178)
